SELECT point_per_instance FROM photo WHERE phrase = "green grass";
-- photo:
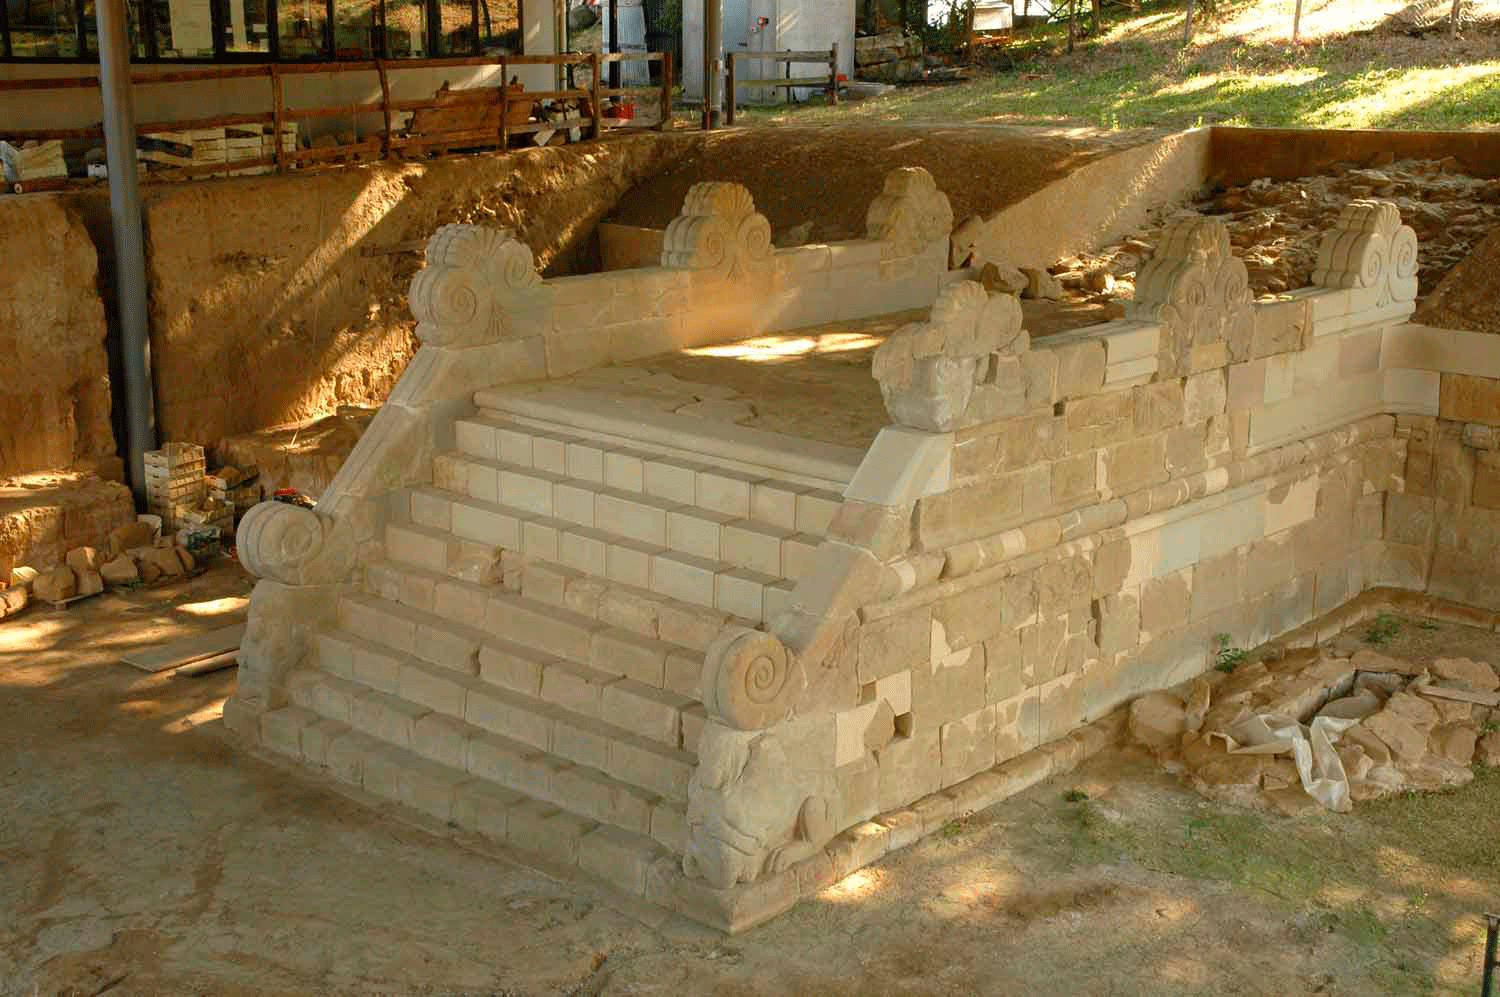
(1241, 69)
(1403, 877)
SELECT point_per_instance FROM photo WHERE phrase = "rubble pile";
(1275, 226)
(1317, 729)
(136, 556)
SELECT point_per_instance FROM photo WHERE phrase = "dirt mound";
(1469, 297)
(814, 184)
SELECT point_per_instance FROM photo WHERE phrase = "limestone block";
(1467, 672)
(1281, 326)
(1040, 285)
(82, 559)
(1204, 395)
(1455, 742)
(1158, 406)
(894, 645)
(89, 582)
(1465, 398)
(13, 600)
(1118, 621)
(909, 214)
(967, 745)
(55, 585)
(1405, 743)
(1080, 368)
(129, 536)
(950, 686)
(22, 576)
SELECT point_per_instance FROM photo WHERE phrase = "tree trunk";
(1095, 28)
(1187, 24)
(1072, 23)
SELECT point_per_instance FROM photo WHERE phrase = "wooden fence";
(388, 143)
(831, 81)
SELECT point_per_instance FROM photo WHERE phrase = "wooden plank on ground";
(186, 651)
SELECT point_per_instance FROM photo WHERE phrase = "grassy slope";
(1353, 69)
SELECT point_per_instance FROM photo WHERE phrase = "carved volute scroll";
(1369, 248)
(292, 545)
(928, 371)
(750, 679)
(718, 231)
(463, 293)
(1198, 290)
(909, 214)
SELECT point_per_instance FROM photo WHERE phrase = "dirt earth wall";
(276, 300)
(1240, 155)
(55, 396)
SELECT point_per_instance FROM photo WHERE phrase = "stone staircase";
(525, 658)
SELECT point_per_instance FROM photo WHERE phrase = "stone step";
(425, 778)
(603, 416)
(515, 451)
(442, 677)
(522, 743)
(433, 616)
(692, 578)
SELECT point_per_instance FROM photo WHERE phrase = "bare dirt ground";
(145, 855)
(828, 175)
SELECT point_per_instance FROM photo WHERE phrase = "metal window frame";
(219, 15)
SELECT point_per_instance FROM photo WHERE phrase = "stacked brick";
(175, 483)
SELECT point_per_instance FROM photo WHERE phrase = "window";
(42, 29)
(135, 19)
(184, 29)
(499, 27)
(289, 30)
(247, 28)
(456, 27)
(406, 29)
(354, 32)
(302, 27)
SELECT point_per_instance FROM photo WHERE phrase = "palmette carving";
(928, 371)
(909, 214)
(461, 296)
(1369, 248)
(1199, 292)
(718, 231)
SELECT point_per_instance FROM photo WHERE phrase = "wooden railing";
(831, 81)
(388, 142)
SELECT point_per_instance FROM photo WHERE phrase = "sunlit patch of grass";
(1241, 68)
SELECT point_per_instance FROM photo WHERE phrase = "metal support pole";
(713, 44)
(130, 251)
(1492, 923)
(614, 42)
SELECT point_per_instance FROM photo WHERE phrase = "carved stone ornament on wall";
(928, 371)
(750, 679)
(460, 296)
(292, 545)
(718, 231)
(1369, 248)
(909, 214)
(1198, 290)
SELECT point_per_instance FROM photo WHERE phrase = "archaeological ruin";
(598, 584)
